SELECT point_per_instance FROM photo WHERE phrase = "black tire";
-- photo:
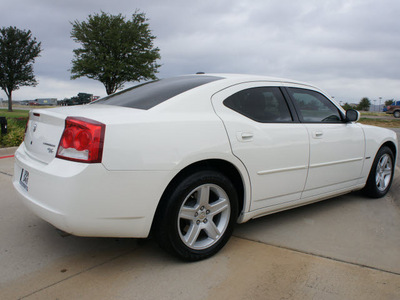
(193, 227)
(396, 114)
(381, 174)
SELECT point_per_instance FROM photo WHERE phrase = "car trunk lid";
(46, 126)
(43, 133)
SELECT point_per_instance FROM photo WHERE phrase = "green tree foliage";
(364, 104)
(389, 102)
(82, 98)
(347, 106)
(114, 51)
(18, 50)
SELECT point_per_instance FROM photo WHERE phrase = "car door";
(336, 146)
(268, 139)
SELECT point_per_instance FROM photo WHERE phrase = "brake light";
(82, 140)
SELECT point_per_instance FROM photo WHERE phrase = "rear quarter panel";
(163, 142)
(170, 136)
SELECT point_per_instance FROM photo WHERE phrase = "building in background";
(47, 101)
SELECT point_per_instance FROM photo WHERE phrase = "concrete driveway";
(344, 248)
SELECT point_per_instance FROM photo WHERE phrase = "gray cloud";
(350, 48)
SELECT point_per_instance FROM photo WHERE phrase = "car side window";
(261, 104)
(314, 107)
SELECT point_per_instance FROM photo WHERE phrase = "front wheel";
(381, 175)
(198, 217)
(396, 114)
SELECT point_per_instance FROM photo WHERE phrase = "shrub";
(15, 132)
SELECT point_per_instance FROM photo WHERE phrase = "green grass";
(373, 114)
(16, 122)
(389, 123)
(16, 113)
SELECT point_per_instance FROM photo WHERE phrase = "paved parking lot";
(344, 248)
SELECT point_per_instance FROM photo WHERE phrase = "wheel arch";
(392, 147)
(222, 166)
(371, 188)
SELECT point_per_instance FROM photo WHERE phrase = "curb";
(7, 151)
(8, 156)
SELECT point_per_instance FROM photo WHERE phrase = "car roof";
(230, 79)
(152, 94)
(237, 78)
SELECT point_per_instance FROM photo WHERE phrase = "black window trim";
(292, 108)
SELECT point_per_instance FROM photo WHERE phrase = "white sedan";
(186, 158)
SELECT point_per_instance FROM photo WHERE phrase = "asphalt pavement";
(347, 247)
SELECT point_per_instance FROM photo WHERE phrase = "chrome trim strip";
(311, 166)
(281, 170)
(336, 162)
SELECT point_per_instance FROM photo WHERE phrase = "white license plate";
(23, 180)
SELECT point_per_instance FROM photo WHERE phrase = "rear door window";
(261, 104)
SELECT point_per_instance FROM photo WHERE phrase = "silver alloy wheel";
(204, 216)
(383, 172)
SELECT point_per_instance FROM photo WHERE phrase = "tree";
(347, 106)
(18, 50)
(114, 51)
(389, 102)
(364, 104)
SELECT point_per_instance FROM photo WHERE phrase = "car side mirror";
(352, 115)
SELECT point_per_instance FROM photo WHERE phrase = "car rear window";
(150, 94)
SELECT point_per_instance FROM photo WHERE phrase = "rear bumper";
(89, 200)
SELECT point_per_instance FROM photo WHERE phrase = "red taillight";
(82, 140)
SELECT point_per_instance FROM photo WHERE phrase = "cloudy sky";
(349, 48)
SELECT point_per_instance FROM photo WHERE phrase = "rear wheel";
(198, 217)
(381, 175)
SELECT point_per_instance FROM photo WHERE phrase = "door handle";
(318, 134)
(244, 136)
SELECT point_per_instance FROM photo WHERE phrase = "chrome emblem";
(34, 127)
